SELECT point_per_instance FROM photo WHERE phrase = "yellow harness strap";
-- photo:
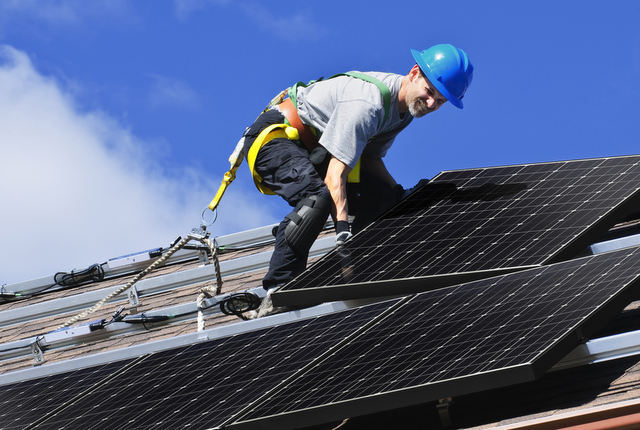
(235, 160)
(282, 131)
(354, 174)
(274, 131)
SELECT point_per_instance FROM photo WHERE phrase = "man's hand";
(420, 184)
(342, 232)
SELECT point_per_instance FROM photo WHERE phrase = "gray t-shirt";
(349, 112)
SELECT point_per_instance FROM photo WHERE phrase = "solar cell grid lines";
(460, 339)
(473, 224)
(204, 385)
(24, 403)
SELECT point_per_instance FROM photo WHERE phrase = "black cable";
(65, 280)
(143, 319)
(93, 273)
(6, 295)
(235, 304)
(238, 303)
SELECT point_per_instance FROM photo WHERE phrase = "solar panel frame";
(473, 224)
(459, 340)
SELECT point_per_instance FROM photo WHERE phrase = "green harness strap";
(384, 90)
(354, 175)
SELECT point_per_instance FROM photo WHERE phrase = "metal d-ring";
(214, 219)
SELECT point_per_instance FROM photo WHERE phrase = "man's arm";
(336, 180)
(377, 167)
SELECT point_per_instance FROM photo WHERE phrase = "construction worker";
(304, 147)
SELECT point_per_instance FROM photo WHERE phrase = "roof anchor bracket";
(38, 354)
(134, 299)
(443, 411)
(203, 256)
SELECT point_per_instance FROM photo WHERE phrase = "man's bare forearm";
(336, 180)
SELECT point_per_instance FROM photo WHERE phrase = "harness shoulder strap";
(384, 89)
(354, 175)
(293, 90)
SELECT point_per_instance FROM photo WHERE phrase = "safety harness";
(295, 129)
(274, 131)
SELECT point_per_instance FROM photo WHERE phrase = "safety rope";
(209, 290)
(153, 266)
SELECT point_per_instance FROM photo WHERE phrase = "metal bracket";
(134, 299)
(203, 252)
(443, 411)
(199, 233)
(38, 354)
(203, 257)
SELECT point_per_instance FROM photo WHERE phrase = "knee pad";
(306, 222)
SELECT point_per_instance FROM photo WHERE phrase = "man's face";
(422, 97)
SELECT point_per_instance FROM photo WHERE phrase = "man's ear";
(414, 73)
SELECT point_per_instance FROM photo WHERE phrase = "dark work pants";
(285, 168)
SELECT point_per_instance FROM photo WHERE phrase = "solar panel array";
(441, 343)
(470, 224)
(204, 385)
(447, 342)
(460, 339)
(24, 403)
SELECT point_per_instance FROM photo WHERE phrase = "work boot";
(266, 307)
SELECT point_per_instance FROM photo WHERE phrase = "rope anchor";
(199, 234)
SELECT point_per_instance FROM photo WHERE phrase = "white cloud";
(62, 12)
(184, 8)
(298, 25)
(173, 93)
(78, 188)
(48, 11)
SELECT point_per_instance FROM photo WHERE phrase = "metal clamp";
(443, 411)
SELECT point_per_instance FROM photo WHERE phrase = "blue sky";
(117, 117)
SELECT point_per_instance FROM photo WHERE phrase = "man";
(345, 122)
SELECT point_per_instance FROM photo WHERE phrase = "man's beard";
(418, 108)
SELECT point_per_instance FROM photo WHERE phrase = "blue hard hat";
(448, 68)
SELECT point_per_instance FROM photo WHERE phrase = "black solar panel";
(205, 385)
(24, 403)
(457, 340)
(472, 224)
